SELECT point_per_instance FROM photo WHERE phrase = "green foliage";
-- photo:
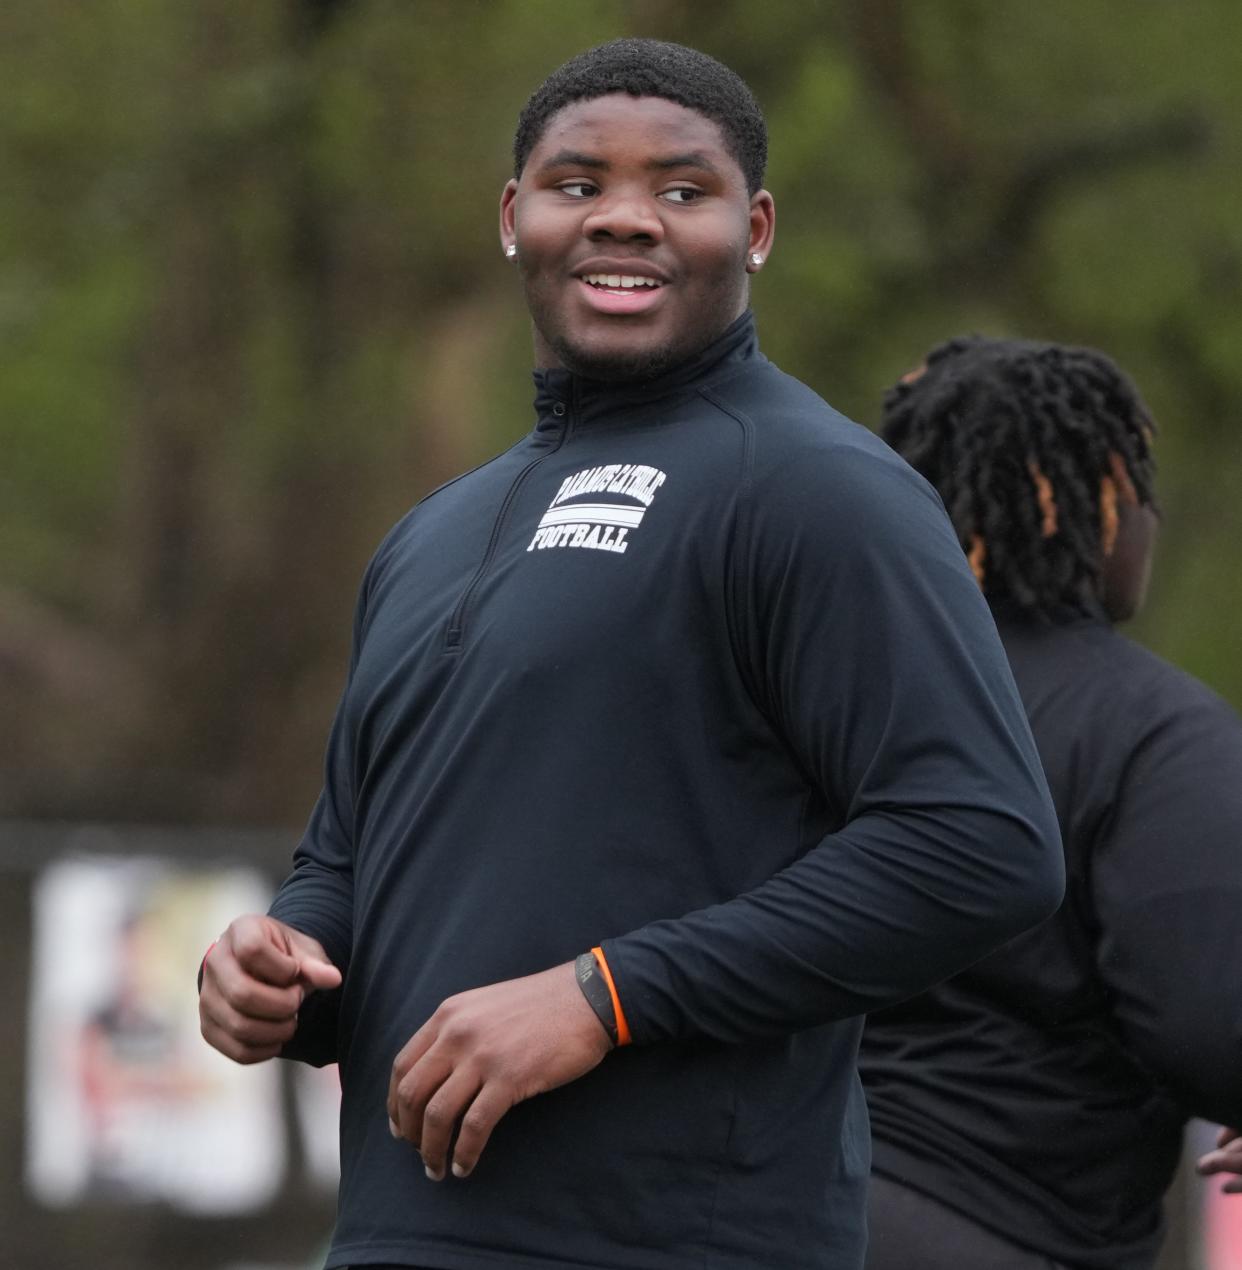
(252, 302)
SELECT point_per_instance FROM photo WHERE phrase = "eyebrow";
(573, 159)
(692, 159)
(577, 159)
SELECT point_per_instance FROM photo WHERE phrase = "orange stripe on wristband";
(623, 1028)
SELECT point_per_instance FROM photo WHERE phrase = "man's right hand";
(255, 978)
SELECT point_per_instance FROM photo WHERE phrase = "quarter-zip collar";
(595, 400)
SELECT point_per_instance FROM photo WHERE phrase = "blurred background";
(252, 306)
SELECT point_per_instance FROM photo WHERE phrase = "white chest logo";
(592, 522)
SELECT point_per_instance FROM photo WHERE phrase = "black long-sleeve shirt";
(1044, 1090)
(695, 669)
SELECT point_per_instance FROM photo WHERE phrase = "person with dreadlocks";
(1028, 1112)
(649, 777)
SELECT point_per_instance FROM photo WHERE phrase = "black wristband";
(595, 989)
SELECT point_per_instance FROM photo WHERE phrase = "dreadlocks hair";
(653, 68)
(1031, 446)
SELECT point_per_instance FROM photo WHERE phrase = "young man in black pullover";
(674, 739)
(1029, 1111)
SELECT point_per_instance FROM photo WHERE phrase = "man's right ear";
(508, 220)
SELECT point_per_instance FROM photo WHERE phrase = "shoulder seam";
(744, 421)
(461, 476)
(395, 531)
(738, 599)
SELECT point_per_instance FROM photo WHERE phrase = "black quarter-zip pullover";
(695, 670)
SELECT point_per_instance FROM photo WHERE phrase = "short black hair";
(1031, 447)
(653, 68)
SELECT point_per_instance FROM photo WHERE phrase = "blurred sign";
(125, 1101)
(319, 1114)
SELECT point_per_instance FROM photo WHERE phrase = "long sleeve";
(317, 898)
(1167, 892)
(869, 649)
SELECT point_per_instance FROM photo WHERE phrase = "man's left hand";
(482, 1052)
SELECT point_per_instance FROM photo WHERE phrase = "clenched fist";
(255, 978)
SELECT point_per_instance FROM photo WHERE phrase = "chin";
(619, 365)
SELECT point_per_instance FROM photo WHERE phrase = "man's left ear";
(762, 230)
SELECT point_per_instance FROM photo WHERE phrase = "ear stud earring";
(510, 251)
(756, 259)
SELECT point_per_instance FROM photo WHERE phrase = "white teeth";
(623, 281)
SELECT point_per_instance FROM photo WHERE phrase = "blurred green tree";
(252, 307)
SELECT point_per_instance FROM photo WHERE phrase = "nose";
(625, 215)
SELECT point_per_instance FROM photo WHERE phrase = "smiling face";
(634, 231)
